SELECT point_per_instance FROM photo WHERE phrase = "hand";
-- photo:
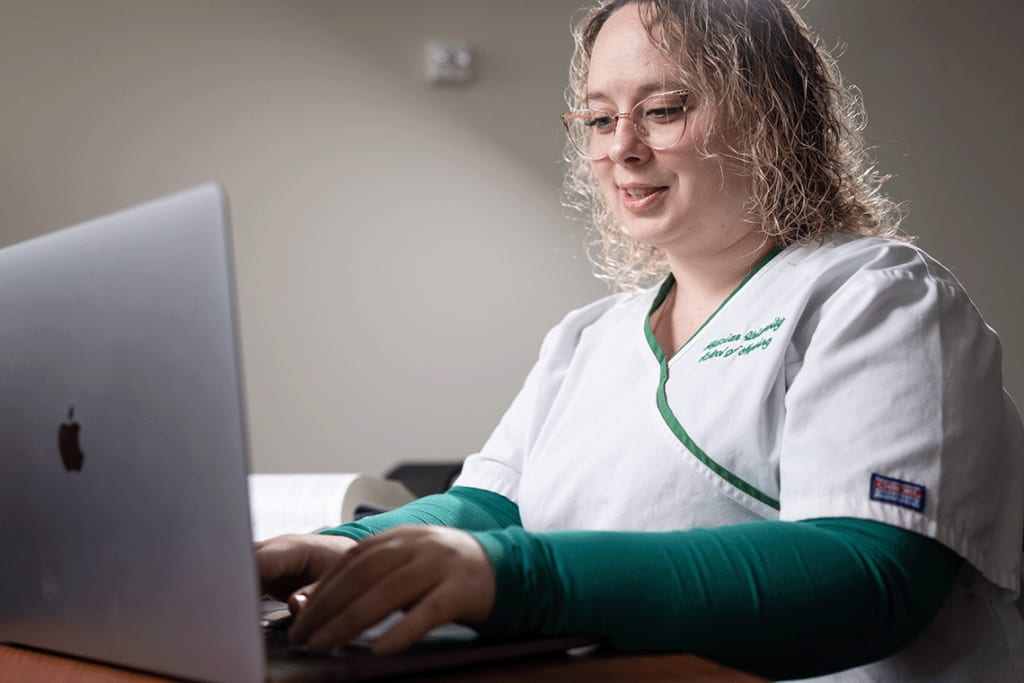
(290, 565)
(437, 574)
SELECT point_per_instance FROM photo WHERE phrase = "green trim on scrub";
(666, 410)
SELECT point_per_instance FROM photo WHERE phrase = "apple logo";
(67, 439)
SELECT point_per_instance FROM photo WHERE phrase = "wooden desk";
(18, 665)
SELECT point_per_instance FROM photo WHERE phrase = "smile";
(641, 198)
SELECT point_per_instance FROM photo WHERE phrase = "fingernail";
(296, 603)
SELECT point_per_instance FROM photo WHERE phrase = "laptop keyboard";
(275, 631)
(275, 621)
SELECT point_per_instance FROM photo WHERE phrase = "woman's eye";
(663, 114)
(601, 123)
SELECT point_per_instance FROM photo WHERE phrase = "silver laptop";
(124, 516)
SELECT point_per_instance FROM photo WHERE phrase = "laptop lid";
(123, 500)
(124, 509)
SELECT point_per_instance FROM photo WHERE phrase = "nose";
(627, 147)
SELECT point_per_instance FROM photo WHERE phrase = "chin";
(648, 235)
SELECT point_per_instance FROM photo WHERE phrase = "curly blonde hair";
(794, 130)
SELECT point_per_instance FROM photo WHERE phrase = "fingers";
(298, 599)
(434, 609)
(360, 589)
(287, 563)
(281, 565)
(439, 575)
(403, 586)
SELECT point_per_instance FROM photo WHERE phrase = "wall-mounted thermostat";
(449, 62)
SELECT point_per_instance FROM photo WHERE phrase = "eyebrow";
(644, 90)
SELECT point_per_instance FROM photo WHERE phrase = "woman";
(793, 454)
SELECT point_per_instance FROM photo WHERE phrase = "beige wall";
(942, 81)
(400, 247)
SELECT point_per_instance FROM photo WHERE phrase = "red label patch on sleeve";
(897, 492)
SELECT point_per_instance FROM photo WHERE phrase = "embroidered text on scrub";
(712, 352)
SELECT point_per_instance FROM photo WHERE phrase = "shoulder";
(601, 317)
(853, 276)
(842, 258)
(881, 309)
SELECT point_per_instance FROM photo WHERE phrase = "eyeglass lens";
(659, 121)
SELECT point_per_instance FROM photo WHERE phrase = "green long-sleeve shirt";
(782, 599)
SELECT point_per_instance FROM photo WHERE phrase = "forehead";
(624, 62)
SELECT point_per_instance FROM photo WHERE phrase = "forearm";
(783, 599)
(462, 507)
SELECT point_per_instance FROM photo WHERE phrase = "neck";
(702, 284)
(714, 274)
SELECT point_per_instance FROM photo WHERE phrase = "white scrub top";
(850, 379)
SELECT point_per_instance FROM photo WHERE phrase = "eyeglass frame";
(682, 93)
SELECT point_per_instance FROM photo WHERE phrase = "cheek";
(605, 181)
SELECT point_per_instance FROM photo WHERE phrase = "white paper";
(305, 503)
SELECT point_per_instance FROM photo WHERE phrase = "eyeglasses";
(659, 122)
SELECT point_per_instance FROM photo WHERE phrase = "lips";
(641, 197)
